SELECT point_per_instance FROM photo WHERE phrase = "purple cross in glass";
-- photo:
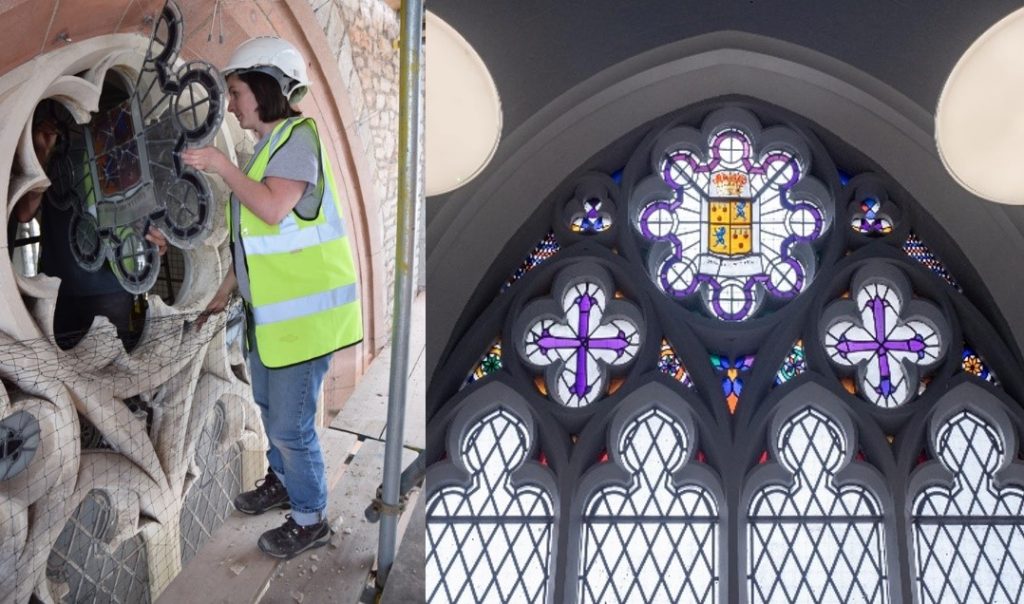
(583, 343)
(881, 345)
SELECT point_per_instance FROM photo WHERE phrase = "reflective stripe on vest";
(298, 307)
(302, 278)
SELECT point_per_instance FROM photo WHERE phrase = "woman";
(293, 267)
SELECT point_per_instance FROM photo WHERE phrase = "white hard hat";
(275, 57)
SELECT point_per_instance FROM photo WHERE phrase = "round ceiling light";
(463, 111)
(979, 122)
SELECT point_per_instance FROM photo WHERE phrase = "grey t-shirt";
(297, 159)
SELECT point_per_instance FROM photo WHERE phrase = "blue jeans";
(287, 401)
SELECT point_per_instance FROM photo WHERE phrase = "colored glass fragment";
(793, 365)
(546, 248)
(916, 249)
(732, 383)
(670, 365)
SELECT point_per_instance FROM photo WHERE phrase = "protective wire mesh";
(116, 467)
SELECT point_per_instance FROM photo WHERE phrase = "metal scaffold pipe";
(410, 87)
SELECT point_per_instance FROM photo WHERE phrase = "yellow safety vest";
(302, 277)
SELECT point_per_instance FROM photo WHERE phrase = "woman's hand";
(207, 159)
(157, 238)
(220, 299)
(216, 306)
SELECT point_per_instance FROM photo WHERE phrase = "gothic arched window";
(731, 369)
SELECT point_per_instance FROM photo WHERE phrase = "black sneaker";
(268, 494)
(290, 539)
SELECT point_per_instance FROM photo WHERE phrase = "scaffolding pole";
(408, 193)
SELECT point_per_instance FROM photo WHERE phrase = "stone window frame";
(74, 76)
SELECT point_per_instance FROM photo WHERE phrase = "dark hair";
(270, 101)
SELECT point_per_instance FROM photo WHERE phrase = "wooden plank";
(338, 572)
(230, 568)
(366, 411)
(414, 431)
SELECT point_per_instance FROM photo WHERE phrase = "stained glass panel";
(581, 344)
(490, 541)
(651, 541)
(733, 219)
(972, 363)
(670, 365)
(916, 249)
(732, 381)
(815, 541)
(969, 538)
(591, 218)
(870, 333)
(489, 363)
(871, 220)
(793, 365)
(545, 248)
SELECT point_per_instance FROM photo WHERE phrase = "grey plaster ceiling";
(539, 49)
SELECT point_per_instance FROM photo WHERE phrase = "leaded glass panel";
(652, 540)
(732, 216)
(577, 340)
(871, 334)
(969, 536)
(491, 540)
(814, 540)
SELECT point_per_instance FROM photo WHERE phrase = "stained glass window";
(491, 540)
(651, 541)
(870, 334)
(969, 536)
(815, 541)
(656, 489)
(577, 340)
(732, 222)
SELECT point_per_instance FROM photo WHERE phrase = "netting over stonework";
(729, 374)
(103, 452)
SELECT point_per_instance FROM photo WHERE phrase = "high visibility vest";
(302, 277)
